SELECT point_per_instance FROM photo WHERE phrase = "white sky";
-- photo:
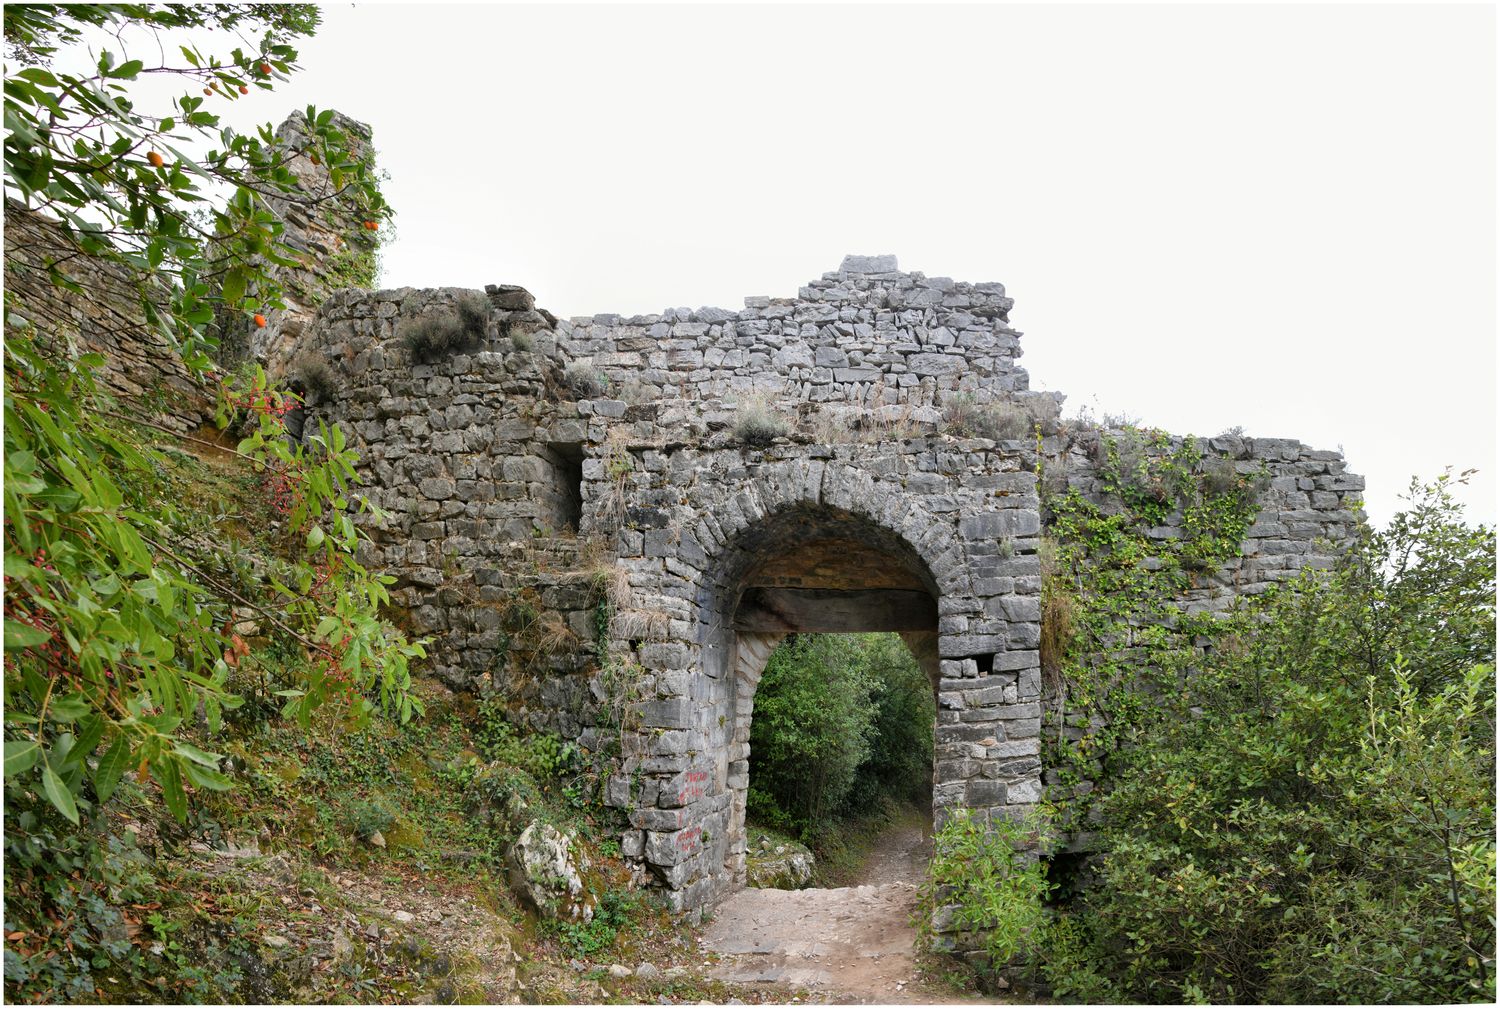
(1281, 217)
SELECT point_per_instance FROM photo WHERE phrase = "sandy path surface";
(853, 944)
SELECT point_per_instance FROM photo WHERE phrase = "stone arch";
(897, 561)
(817, 544)
(802, 568)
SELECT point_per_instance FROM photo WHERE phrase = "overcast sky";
(1280, 217)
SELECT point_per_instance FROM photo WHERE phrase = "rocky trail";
(848, 945)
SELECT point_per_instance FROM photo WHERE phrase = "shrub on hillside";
(1316, 823)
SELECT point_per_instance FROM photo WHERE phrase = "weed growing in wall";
(756, 424)
(314, 376)
(438, 335)
(585, 381)
(966, 418)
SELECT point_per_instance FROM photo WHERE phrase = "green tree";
(842, 721)
(811, 730)
(119, 610)
(1313, 819)
(899, 763)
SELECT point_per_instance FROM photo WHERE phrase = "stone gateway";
(611, 521)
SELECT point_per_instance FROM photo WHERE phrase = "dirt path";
(902, 854)
(852, 944)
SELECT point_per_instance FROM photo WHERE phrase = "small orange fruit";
(265, 70)
(371, 225)
(155, 159)
(315, 159)
(260, 320)
(244, 89)
(208, 91)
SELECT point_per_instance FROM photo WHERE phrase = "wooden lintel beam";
(835, 611)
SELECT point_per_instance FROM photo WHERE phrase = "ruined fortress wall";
(568, 506)
(866, 337)
(475, 459)
(143, 373)
(1308, 510)
(1308, 506)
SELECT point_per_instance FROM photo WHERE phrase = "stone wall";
(864, 339)
(142, 372)
(618, 564)
(324, 230)
(1308, 507)
(505, 495)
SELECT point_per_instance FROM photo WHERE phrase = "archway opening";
(801, 575)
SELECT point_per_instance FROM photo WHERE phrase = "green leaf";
(171, 788)
(57, 793)
(205, 778)
(234, 286)
(21, 755)
(69, 708)
(37, 75)
(19, 635)
(196, 755)
(111, 767)
(89, 734)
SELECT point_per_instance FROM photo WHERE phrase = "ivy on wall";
(1115, 635)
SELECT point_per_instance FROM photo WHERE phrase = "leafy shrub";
(964, 417)
(611, 916)
(585, 381)
(313, 375)
(756, 424)
(1313, 820)
(365, 819)
(541, 754)
(70, 923)
(980, 881)
(441, 334)
(810, 732)
(899, 762)
(111, 610)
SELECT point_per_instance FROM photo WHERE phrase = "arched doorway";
(808, 570)
(814, 543)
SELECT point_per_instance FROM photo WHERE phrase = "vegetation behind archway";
(841, 738)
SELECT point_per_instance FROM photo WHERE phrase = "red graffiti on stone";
(688, 839)
(694, 787)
